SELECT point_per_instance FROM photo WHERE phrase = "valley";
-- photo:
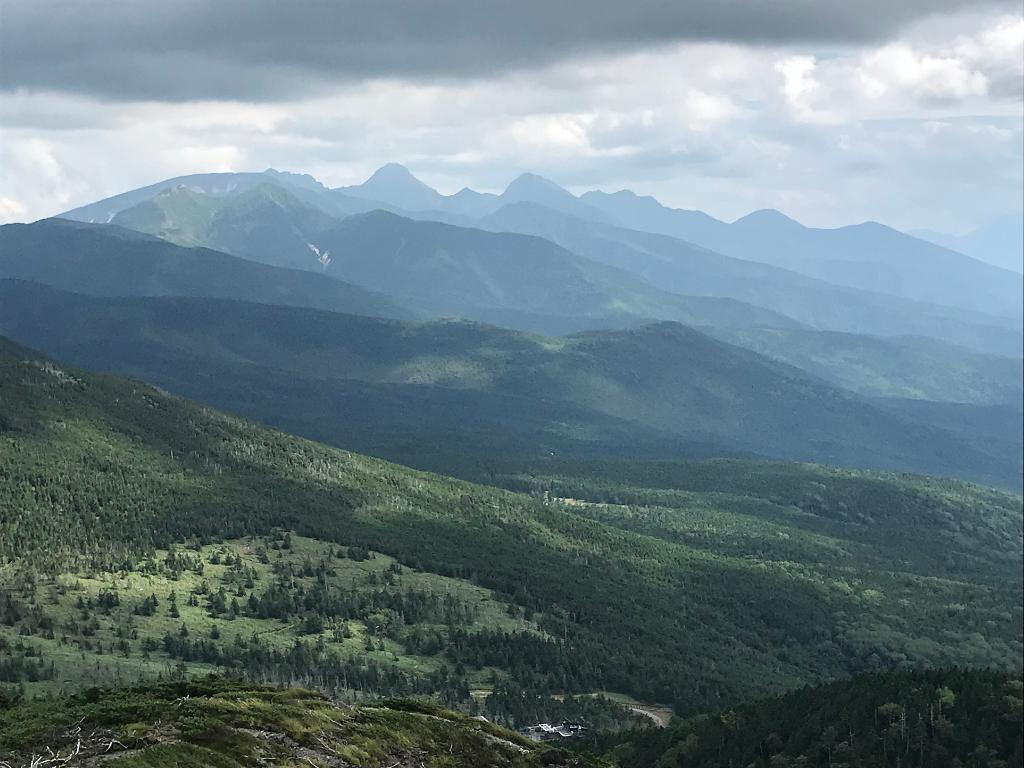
(655, 575)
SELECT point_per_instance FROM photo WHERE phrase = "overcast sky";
(908, 112)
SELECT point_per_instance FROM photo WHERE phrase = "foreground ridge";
(214, 722)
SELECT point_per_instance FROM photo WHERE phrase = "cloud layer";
(269, 49)
(909, 113)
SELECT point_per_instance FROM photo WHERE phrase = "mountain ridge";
(669, 381)
(683, 565)
(110, 260)
(678, 266)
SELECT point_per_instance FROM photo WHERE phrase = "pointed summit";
(531, 188)
(395, 185)
(768, 218)
(393, 173)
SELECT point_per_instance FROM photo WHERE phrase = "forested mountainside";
(908, 368)
(945, 717)
(148, 535)
(662, 391)
(910, 719)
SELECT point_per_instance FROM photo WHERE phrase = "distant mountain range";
(426, 268)
(679, 266)
(859, 345)
(1000, 242)
(868, 256)
(290, 220)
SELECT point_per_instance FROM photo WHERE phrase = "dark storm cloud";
(272, 49)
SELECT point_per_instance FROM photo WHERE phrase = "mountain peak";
(395, 184)
(393, 172)
(395, 176)
(768, 217)
(531, 183)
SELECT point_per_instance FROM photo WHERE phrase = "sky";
(909, 112)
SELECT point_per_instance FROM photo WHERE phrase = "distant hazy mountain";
(530, 188)
(1000, 242)
(869, 256)
(394, 185)
(678, 266)
(267, 223)
(302, 187)
(506, 279)
(106, 260)
(403, 383)
(472, 273)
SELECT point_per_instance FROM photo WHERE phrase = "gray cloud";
(271, 50)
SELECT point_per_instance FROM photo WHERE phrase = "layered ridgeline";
(999, 242)
(234, 725)
(681, 267)
(112, 261)
(145, 535)
(895, 719)
(276, 221)
(869, 256)
(514, 280)
(109, 261)
(398, 390)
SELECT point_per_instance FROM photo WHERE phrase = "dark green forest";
(635, 579)
(909, 719)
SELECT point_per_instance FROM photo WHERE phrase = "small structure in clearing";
(549, 732)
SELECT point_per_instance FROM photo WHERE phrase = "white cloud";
(899, 69)
(798, 78)
(11, 210)
(921, 131)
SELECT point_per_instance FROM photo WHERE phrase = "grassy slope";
(325, 375)
(229, 725)
(82, 654)
(99, 470)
